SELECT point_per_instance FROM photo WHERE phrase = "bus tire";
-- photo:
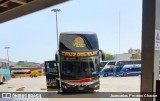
(65, 90)
(124, 74)
(106, 75)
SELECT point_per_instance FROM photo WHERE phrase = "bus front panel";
(80, 73)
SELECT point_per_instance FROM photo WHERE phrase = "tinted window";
(137, 62)
(102, 64)
(111, 63)
(122, 63)
(117, 69)
(78, 42)
(108, 70)
(51, 67)
(132, 69)
(82, 66)
(137, 69)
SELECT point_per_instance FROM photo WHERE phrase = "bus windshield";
(117, 69)
(82, 66)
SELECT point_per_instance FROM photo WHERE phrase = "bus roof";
(78, 32)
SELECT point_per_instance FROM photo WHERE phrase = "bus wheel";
(92, 91)
(65, 90)
(106, 75)
(124, 74)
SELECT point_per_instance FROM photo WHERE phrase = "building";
(124, 56)
(11, 63)
(134, 51)
(127, 56)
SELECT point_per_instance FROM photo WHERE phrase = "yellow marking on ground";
(20, 89)
(93, 91)
(10, 87)
(43, 88)
(50, 89)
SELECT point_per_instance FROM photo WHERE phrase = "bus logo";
(79, 42)
(6, 95)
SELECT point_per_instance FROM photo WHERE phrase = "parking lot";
(107, 84)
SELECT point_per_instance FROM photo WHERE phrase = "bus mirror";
(57, 57)
(102, 55)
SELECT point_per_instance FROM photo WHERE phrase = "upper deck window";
(78, 42)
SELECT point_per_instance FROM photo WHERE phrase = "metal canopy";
(10, 9)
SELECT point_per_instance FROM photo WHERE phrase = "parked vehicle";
(102, 64)
(4, 72)
(121, 63)
(105, 64)
(108, 70)
(35, 73)
(112, 67)
(129, 70)
(77, 63)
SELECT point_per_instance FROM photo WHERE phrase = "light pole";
(7, 54)
(119, 31)
(56, 10)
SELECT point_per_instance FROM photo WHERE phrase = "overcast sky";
(33, 37)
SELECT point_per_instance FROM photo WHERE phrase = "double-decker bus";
(77, 63)
(4, 72)
(113, 67)
(129, 70)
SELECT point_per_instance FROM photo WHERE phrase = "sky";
(118, 24)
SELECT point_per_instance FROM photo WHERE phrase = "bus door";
(52, 76)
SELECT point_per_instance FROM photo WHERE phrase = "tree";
(135, 56)
(109, 57)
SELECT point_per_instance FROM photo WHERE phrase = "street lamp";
(56, 10)
(7, 54)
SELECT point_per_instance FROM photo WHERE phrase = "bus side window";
(121, 63)
(105, 70)
(137, 69)
(133, 69)
(127, 70)
(111, 69)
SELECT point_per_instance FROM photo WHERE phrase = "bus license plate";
(81, 88)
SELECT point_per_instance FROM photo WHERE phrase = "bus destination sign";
(79, 54)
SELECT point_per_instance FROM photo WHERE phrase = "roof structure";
(11, 9)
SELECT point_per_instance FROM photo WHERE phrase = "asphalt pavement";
(107, 84)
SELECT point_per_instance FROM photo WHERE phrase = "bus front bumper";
(74, 88)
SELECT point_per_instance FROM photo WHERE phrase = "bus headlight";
(63, 86)
(97, 85)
